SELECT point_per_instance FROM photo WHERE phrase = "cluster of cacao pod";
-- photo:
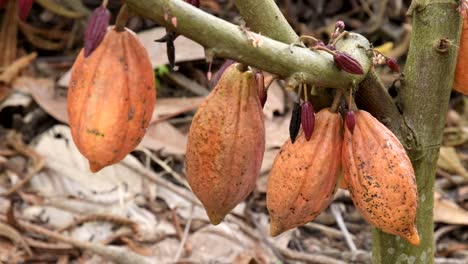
(225, 150)
(112, 93)
(376, 171)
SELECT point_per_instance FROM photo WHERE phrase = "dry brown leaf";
(170, 107)
(166, 138)
(250, 257)
(46, 95)
(449, 161)
(446, 211)
(11, 71)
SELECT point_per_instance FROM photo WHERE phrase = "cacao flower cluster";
(225, 150)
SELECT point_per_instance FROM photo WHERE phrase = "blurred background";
(142, 207)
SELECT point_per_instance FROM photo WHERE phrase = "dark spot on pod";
(95, 132)
(131, 112)
(295, 123)
(307, 119)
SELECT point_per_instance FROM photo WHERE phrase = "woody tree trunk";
(423, 97)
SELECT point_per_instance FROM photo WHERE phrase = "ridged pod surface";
(380, 177)
(111, 97)
(226, 143)
(304, 175)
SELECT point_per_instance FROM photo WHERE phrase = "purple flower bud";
(393, 64)
(295, 122)
(195, 3)
(350, 121)
(331, 47)
(24, 7)
(307, 119)
(262, 92)
(345, 62)
(339, 26)
(221, 70)
(320, 44)
(96, 29)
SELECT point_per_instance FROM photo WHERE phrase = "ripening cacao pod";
(380, 177)
(460, 83)
(304, 175)
(111, 98)
(225, 144)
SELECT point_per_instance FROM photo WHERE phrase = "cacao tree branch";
(371, 96)
(265, 17)
(226, 40)
(424, 98)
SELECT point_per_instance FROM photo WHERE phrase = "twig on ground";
(329, 231)
(14, 140)
(166, 167)
(13, 235)
(163, 183)
(183, 243)
(335, 209)
(116, 254)
(102, 218)
(444, 230)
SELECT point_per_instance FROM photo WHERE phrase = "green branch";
(265, 17)
(226, 40)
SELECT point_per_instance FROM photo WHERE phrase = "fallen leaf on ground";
(446, 211)
(449, 161)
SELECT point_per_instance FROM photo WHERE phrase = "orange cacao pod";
(304, 175)
(380, 177)
(225, 144)
(111, 98)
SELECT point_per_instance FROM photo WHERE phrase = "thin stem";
(308, 37)
(306, 93)
(336, 101)
(122, 18)
(270, 82)
(340, 36)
